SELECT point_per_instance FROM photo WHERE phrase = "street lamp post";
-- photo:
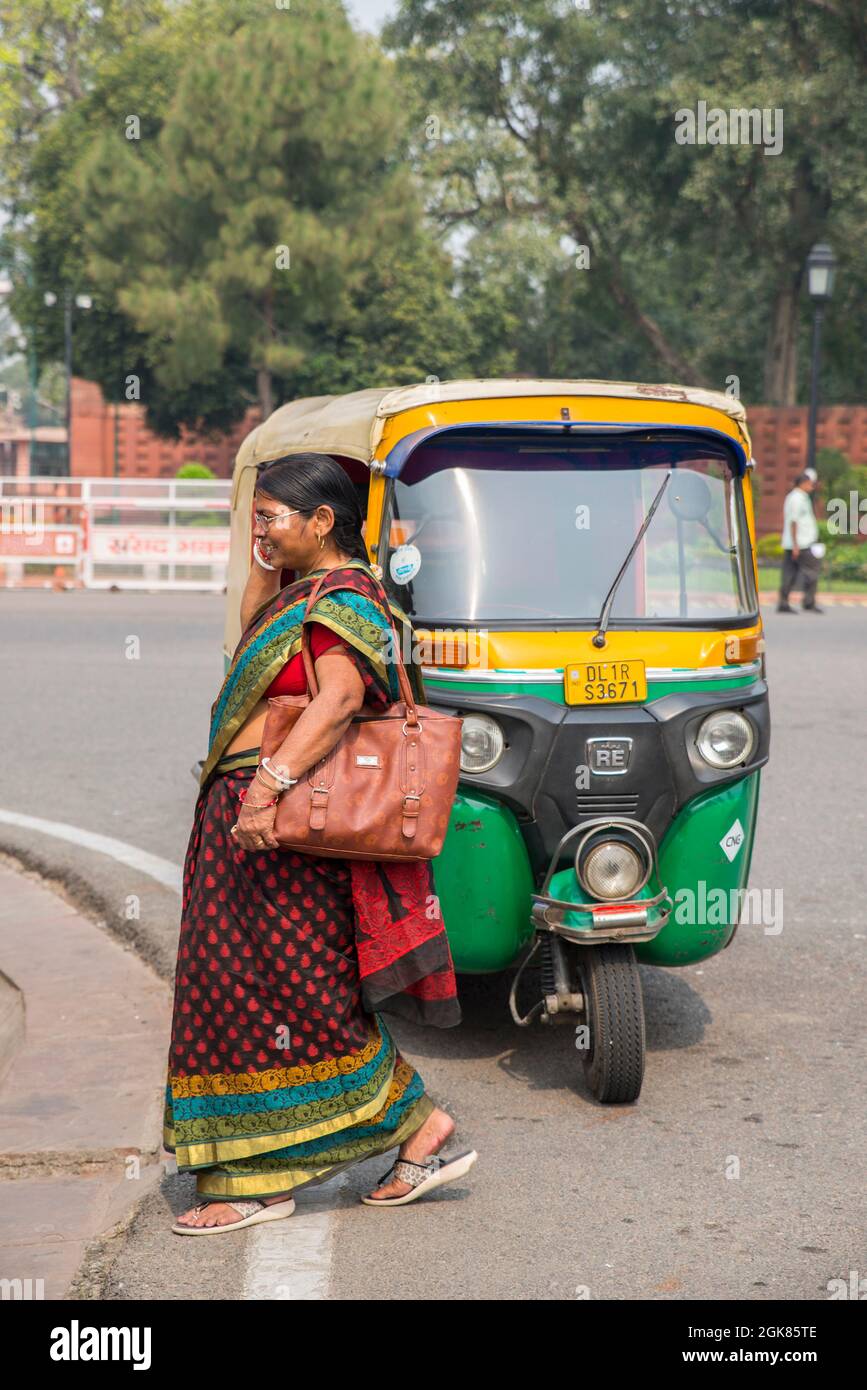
(26, 346)
(821, 265)
(81, 301)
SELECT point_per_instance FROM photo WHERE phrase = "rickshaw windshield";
(523, 530)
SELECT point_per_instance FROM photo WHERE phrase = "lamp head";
(821, 266)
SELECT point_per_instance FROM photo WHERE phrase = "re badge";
(608, 757)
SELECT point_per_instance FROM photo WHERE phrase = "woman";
(281, 1070)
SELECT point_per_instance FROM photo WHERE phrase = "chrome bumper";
(638, 921)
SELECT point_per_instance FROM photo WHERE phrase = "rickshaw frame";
(490, 875)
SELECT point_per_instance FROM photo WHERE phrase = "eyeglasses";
(264, 519)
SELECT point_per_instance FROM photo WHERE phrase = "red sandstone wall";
(779, 436)
(140, 452)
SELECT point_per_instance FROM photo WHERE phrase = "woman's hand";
(254, 828)
(325, 720)
(261, 586)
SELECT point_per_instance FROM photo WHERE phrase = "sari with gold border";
(281, 1068)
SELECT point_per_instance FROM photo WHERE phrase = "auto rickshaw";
(578, 562)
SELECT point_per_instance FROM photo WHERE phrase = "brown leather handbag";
(386, 788)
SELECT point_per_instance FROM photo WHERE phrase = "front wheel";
(614, 1013)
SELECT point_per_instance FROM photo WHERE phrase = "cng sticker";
(732, 840)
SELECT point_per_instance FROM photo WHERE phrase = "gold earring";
(321, 540)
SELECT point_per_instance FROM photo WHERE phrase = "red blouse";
(291, 680)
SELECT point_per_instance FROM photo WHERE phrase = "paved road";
(756, 1056)
(97, 738)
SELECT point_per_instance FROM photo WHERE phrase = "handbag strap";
(306, 656)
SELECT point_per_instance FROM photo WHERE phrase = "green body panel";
(691, 861)
(483, 880)
(545, 690)
(690, 856)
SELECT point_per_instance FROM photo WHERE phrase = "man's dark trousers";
(802, 574)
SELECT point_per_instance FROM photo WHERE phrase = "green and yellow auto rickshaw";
(578, 562)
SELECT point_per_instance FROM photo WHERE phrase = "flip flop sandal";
(251, 1212)
(423, 1177)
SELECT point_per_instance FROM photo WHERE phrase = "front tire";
(614, 1012)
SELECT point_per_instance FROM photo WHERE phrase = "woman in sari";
(282, 1071)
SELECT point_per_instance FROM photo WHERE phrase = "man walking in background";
(802, 551)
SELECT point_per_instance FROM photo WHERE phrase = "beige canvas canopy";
(351, 426)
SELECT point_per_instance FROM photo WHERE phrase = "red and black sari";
(281, 1069)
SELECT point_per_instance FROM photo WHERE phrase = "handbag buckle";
(410, 817)
(415, 726)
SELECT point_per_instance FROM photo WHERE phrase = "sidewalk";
(84, 1029)
(824, 600)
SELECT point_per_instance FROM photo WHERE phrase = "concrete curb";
(153, 937)
(81, 1104)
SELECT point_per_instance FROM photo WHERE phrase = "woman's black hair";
(308, 481)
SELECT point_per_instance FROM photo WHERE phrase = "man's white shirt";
(798, 508)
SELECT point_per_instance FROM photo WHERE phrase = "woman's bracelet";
(261, 780)
(255, 805)
(284, 781)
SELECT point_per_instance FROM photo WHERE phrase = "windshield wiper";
(602, 622)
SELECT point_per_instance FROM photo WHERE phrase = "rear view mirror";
(689, 496)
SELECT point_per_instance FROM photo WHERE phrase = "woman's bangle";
(284, 781)
(261, 780)
(255, 805)
(260, 561)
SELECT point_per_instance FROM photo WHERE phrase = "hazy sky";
(370, 13)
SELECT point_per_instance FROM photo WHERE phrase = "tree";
(49, 50)
(565, 117)
(71, 73)
(272, 194)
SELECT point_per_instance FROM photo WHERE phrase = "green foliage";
(175, 234)
(258, 218)
(565, 116)
(769, 548)
(839, 477)
(845, 558)
(434, 197)
(847, 562)
(195, 470)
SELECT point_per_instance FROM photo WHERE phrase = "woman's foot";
(429, 1139)
(221, 1213)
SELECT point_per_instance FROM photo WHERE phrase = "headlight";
(611, 869)
(482, 743)
(725, 738)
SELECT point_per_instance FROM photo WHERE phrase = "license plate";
(604, 682)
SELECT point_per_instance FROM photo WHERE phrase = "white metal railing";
(130, 533)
